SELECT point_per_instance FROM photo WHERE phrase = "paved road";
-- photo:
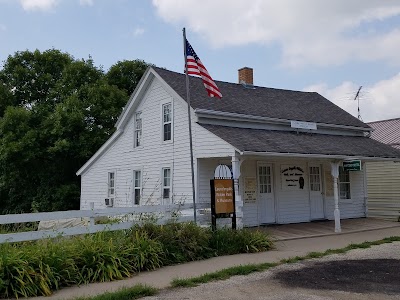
(362, 274)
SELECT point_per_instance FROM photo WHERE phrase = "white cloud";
(3, 27)
(377, 102)
(43, 5)
(138, 31)
(86, 2)
(310, 32)
(47, 5)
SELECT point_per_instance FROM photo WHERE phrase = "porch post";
(238, 196)
(335, 174)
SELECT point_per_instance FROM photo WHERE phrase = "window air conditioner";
(109, 202)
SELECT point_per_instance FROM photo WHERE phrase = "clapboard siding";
(209, 145)
(383, 190)
(294, 206)
(250, 210)
(349, 208)
(154, 154)
(206, 173)
(150, 158)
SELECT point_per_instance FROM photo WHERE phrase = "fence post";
(92, 215)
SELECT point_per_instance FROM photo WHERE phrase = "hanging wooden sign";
(353, 165)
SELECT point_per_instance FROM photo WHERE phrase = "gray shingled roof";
(260, 140)
(387, 132)
(261, 101)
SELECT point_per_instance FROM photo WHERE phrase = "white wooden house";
(285, 149)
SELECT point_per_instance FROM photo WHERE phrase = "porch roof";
(288, 142)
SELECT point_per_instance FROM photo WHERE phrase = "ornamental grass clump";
(22, 274)
(181, 242)
(226, 241)
(99, 257)
(38, 268)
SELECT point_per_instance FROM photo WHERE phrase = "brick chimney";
(246, 75)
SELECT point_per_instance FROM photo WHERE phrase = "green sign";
(353, 165)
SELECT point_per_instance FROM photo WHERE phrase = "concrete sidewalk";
(285, 249)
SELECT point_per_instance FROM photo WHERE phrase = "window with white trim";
(264, 179)
(166, 183)
(167, 121)
(137, 187)
(138, 129)
(344, 184)
(111, 185)
(315, 179)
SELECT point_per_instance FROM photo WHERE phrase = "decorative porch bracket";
(239, 201)
(336, 213)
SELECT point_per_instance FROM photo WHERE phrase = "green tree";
(126, 74)
(31, 76)
(55, 112)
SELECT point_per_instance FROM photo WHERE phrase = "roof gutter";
(214, 114)
(326, 156)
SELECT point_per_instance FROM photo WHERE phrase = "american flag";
(196, 67)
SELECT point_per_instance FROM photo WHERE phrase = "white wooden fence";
(128, 216)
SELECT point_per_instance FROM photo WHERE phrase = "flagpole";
(190, 126)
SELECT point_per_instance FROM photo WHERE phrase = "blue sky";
(331, 47)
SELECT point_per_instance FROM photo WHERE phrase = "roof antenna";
(357, 97)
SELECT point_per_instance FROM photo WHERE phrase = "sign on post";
(352, 165)
(222, 200)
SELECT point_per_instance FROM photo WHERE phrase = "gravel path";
(360, 274)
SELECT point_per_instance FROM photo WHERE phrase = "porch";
(287, 232)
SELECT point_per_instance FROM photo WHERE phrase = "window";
(137, 187)
(264, 178)
(138, 129)
(315, 179)
(344, 184)
(111, 184)
(166, 183)
(167, 122)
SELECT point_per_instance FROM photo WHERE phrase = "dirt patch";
(360, 276)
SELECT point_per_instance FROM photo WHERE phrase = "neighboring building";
(384, 177)
(283, 146)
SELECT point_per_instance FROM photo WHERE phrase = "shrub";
(99, 257)
(181, 242)
(145, 253)
(22, 273)
(226, 241)
(37, 268)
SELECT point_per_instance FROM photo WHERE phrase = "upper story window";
(167, 121)
(111, 184)
(138, 129)
(344, 184)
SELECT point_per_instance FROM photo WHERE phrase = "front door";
(266, 194)
(316, 197)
